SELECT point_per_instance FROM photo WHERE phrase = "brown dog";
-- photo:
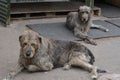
(40, 54)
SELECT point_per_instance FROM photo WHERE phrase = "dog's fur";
(80, 22)
(40, 54)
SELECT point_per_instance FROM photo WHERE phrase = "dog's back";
(61, 51)
(71, 20)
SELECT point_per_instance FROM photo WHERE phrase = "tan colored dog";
(40, 54)
(80, 22)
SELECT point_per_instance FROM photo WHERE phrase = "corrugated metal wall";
(4, 12)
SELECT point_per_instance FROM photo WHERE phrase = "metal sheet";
(4, 12)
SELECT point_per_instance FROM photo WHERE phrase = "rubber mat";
(115, 22)
(60, 32)
(53, 30)
(109, 11)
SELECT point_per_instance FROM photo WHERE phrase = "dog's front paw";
(66, 67)
(94, 78)
(8, 77)
(90, 41)
(49, 66)
(93, 43)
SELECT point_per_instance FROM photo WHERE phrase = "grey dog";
(40, 54)
(80, 22)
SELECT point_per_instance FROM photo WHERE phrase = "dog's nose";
(84, 19)
(28, 53)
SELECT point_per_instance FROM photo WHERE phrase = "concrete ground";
(107, 54)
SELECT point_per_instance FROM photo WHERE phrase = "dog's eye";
(87, 12)
(24, 44)
(33, 44)
(82, 12)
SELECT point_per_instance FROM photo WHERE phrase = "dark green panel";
(24, 1)
(90, 3)
(4, 12)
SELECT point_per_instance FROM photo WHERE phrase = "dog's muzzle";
(84, 18)
(28, 52)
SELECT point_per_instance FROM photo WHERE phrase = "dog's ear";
(78, 9)
(90, 9)
(20, 39)
(39, 38)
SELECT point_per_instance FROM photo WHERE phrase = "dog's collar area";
(27, 61)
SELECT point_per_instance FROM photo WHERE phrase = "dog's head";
(84, 13)
(30, 42)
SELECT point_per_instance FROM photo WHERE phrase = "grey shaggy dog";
(40, 54)
(80, 22)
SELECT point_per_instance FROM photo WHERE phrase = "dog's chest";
(27, 62)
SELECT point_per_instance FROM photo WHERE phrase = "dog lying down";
(40, 54)
(80, 22)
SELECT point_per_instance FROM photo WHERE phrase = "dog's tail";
(101, 71)
(92, 58)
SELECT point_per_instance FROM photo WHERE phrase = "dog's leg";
(14, 72)
(84, 37)
(33, 68)
(94, 26)
(85, 65)
(85, 29)
(66, 67)
(79, 34)
(45, 66)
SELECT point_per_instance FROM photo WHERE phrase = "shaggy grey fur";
(50, 54)
(80, 22)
